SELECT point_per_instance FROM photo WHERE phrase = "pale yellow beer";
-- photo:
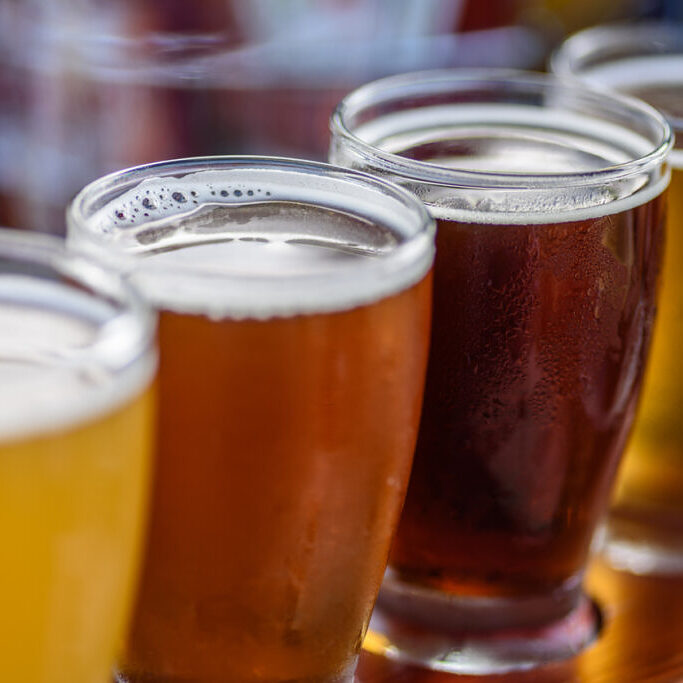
(75, 438)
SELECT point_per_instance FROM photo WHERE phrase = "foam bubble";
(160, 198)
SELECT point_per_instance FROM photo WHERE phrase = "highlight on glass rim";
(349, 350)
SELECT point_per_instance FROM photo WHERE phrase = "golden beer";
(650, 485)
(75, 428)
(645, 533)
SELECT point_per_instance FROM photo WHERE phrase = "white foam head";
(255, 237)
(68, 353)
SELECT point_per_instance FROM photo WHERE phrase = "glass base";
(479, 636)
(643, 542)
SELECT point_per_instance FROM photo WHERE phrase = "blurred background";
(91, 86)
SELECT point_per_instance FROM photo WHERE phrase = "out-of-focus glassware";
(645, 533)
(550, 206)
(87, 88)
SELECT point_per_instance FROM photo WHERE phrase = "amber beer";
(526, 421)
(295, 309)
(76, 362)
(549, 242)
(646, 524)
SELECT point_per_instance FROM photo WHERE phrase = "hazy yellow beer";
(646, 524)
(75, 402)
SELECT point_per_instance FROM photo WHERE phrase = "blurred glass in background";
(91, 86)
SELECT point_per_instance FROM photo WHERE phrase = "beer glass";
(549, 206)
(295, 307)
(76, 363)
(645, 530)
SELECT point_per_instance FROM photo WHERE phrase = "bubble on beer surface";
(244, 249)
(515, 140)
(50, 378)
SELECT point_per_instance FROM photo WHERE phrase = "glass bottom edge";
(642, 544)
(439, 646)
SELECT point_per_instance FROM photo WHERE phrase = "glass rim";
(574, 54)
(135, 334)
(120, 357)
(436, 81)
(413, 223)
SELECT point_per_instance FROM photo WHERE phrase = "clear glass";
(295, 309)
(645, 530)
(77, 360)
(549, 206)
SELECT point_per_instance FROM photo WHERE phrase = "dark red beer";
(539, 339)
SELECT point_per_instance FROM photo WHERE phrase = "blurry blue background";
(90, 86)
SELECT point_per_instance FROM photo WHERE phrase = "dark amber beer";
(295, 306)
(645, 530)
(525, 423)
(550, 234)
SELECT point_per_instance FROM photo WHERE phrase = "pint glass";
(549, 200)
(295, 307)
(645, 531)
(76, 362)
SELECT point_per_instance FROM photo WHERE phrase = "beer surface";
(233, 249)
(539, 338)
(51, 377)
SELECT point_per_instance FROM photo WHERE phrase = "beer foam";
(563, 207)
(556, 149)
(249, 242)
(52, 373)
